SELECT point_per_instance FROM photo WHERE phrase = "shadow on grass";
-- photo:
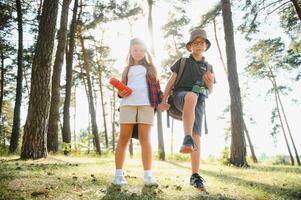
(286, 169)
(271, 189)
(122, 193)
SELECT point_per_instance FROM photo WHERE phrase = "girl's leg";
(145, 143)
(146, 153)
(124, 138)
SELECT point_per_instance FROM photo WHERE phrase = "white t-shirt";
(136, 80)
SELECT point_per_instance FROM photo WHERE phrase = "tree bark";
(254, 158)
(238, 144)
(66, 132)
(279, 102)
(14, 140)
(113, 110)
(297, 8)
(90, 92)
(35, 129)
(52, 135)
(2, 94)
(282, 127)
(288, 128)
(159, 114)
(102, 103)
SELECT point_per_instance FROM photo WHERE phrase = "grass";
(60, 177)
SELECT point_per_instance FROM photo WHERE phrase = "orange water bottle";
(120, 86)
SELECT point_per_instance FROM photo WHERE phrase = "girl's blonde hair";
(147, 61)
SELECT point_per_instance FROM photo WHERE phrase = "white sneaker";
(150, 181)
(119, 180)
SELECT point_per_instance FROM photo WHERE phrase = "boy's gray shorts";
(179, 98)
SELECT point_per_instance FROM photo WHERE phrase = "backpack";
(173, 111)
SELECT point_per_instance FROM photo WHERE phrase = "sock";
(147, 173)
(118, 172)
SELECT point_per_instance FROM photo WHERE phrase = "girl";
(138, 108)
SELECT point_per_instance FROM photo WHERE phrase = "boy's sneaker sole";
(186, 149)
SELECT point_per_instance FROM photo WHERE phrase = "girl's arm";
(169, 87)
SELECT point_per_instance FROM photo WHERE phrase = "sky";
(256, 104)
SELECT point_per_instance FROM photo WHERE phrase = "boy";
(190, 100)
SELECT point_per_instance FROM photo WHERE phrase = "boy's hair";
(147, 61)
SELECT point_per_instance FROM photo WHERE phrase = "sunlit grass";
(60, 177)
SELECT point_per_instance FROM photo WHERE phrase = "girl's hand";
(163, 106)
(124, 93)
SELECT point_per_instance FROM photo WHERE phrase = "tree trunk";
(103, 105)
(238, 144)
(273, 80)
(113, 119)
(297, 8)
(52, 135)
(74, 117)
(159, 114)
(288, 128)
(2, 94)
(219, 48)
(282, 126)
(14, 140)
(90, 92)
(254, 158)
(35, 129)
(66, 132)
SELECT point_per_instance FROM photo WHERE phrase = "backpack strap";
(182, 65)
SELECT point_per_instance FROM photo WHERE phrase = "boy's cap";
(195, 34)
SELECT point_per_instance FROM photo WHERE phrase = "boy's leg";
(190, 101)
(196, 155)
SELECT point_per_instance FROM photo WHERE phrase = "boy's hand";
(209, 79)
(124, 93)
(163, 106)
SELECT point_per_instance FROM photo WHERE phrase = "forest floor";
(60, 177)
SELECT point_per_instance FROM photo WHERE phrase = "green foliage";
(211, 15)
(178, 157)
(225, 156)
(175, 42)
(281, 160)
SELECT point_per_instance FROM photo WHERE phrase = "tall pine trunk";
(35, 130)
(52, 135)
(66, 132)
(161, 150)
(90, 93)
(254, 158)
(113, 111)
(14, 140)
(2, 95)
(238, 144)
(103, 106)
(279, 104)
